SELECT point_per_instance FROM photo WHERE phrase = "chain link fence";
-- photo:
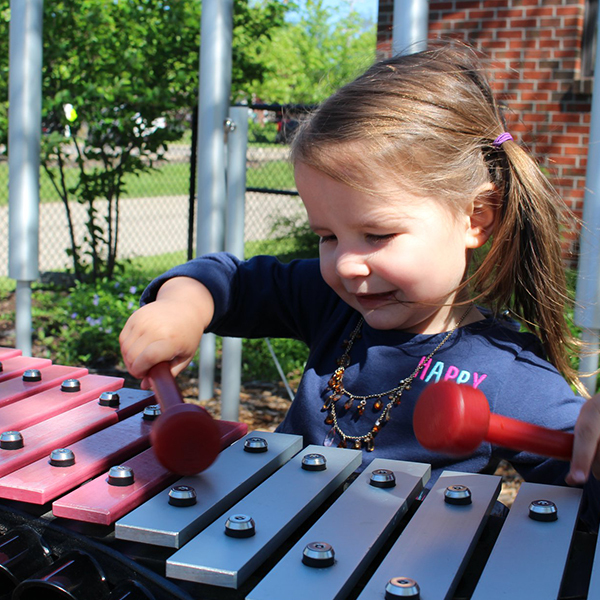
(157, 213)
(271, 195)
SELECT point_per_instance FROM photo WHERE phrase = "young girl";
(404, 173)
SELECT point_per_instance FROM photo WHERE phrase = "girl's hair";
(428, 121)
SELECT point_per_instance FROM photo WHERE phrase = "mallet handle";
(164, 386)
(518, 435)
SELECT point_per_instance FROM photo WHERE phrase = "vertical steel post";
(24, 131)
(410, 26)
(215, 85)
(587, 297)
(237, 143)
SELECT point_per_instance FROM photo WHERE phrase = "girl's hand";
(168, 329)
(586, 446)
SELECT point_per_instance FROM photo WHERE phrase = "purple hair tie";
(503, 137)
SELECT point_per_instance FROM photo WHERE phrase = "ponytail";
(524, 270)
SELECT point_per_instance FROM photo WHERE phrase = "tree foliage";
(315, 53)
(119, 79)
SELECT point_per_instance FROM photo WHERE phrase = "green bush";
(258, 364)
(81, 326)
(262, 133)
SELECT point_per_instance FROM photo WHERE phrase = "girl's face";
(397, 258)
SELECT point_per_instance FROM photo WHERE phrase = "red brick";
(509, 55)
(482, 14)
(459, 16)
(535, 96)
(566, 33)
(570, 53)
(574, 150)
(532, 74)
(509, 13)
(524, 23)
(567, 160)
(569, 10)
(511, 34)
(541, 11)
(566, 139)
(533, 117)
(566, 118)
(535, 53)
(550, 107)
(551, 22)
(436, 25)
(574, 22)
(548, 85)
(582, 129)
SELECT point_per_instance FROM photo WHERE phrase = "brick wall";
(534, 48)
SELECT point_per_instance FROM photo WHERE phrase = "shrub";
(82, 325)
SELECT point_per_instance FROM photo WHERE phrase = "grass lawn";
(170, 179)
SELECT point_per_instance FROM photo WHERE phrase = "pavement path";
(148, 226)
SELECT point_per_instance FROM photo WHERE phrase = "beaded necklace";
(338, 391)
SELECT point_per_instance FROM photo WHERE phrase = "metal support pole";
(410, 26)
(237, 143)
(24, 131)
(215, 86)
(587, 298)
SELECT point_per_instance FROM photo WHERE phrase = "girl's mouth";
(372, 301)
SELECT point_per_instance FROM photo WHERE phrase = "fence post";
(410, 26)
(237, 143)
(24, 131)
(587, 297)
(214, 89)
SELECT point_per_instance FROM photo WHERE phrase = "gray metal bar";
(410, 26)
(533, 552)
(587, 297)
(436, 545)
(278, 506)
(229, 478)
(237, 143)
(594, 589)
(355, 546)
(214, 91)
(24, 131)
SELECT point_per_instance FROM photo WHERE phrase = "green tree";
(119, 80)
(313, 54)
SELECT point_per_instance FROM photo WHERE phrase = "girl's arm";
(586, 446)
(168, 329)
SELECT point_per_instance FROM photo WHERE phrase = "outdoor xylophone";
(89, 513)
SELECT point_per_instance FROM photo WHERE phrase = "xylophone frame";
(325, 533)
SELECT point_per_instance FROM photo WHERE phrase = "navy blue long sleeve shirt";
(262, 297)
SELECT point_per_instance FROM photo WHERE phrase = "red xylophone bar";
(455, 419)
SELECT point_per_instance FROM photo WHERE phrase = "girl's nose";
(350, 265)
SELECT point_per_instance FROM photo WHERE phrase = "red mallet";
(454, 419)
(185, 438)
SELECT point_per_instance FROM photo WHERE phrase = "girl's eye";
(326, 238)
(371, 237)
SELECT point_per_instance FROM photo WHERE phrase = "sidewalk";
(148, 226)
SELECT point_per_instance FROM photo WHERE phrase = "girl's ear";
(482, 214)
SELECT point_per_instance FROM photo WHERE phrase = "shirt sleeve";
(259, 297)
